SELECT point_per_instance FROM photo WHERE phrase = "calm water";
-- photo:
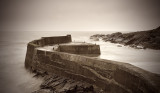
(14, 78)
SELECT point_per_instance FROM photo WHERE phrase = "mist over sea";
(14, 78)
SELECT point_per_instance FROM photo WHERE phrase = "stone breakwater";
(94, 75)
(141, 40)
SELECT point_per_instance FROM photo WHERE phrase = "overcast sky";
(79, 15)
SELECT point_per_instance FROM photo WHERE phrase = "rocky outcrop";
(141, 40)
(58, 84)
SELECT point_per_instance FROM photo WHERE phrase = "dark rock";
(43, 91)
(138, 40)
(40, 73)
(119, 45)
(58, 84)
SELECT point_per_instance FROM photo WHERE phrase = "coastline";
(139, 40)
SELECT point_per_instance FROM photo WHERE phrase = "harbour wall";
(111, 76)
(80, 49)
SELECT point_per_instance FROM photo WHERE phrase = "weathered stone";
(98, 76)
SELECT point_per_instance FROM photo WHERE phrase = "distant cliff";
(141, 39)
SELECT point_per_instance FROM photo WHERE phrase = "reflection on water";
(14, 78)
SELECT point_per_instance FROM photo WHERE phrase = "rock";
(97, 37)
(119, 45)
(43, 91)
(39, 73)
(58, 84)
(139, 40)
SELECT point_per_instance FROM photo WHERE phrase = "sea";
(14, 78)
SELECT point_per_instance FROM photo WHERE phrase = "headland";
(140, 39)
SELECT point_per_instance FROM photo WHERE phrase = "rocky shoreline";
(58, 84)
(139, 40)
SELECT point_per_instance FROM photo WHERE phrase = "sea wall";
(80, 49)
(111, 76)
(42, 42)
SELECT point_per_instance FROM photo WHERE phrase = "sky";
(79, 15)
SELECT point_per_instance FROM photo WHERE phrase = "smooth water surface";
(14, 78)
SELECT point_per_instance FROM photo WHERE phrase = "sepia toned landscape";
(80, 46)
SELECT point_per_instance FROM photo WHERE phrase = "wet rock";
(43, 91)
(58, 84)
(119, 45)
(138, 40)
(40, 73)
